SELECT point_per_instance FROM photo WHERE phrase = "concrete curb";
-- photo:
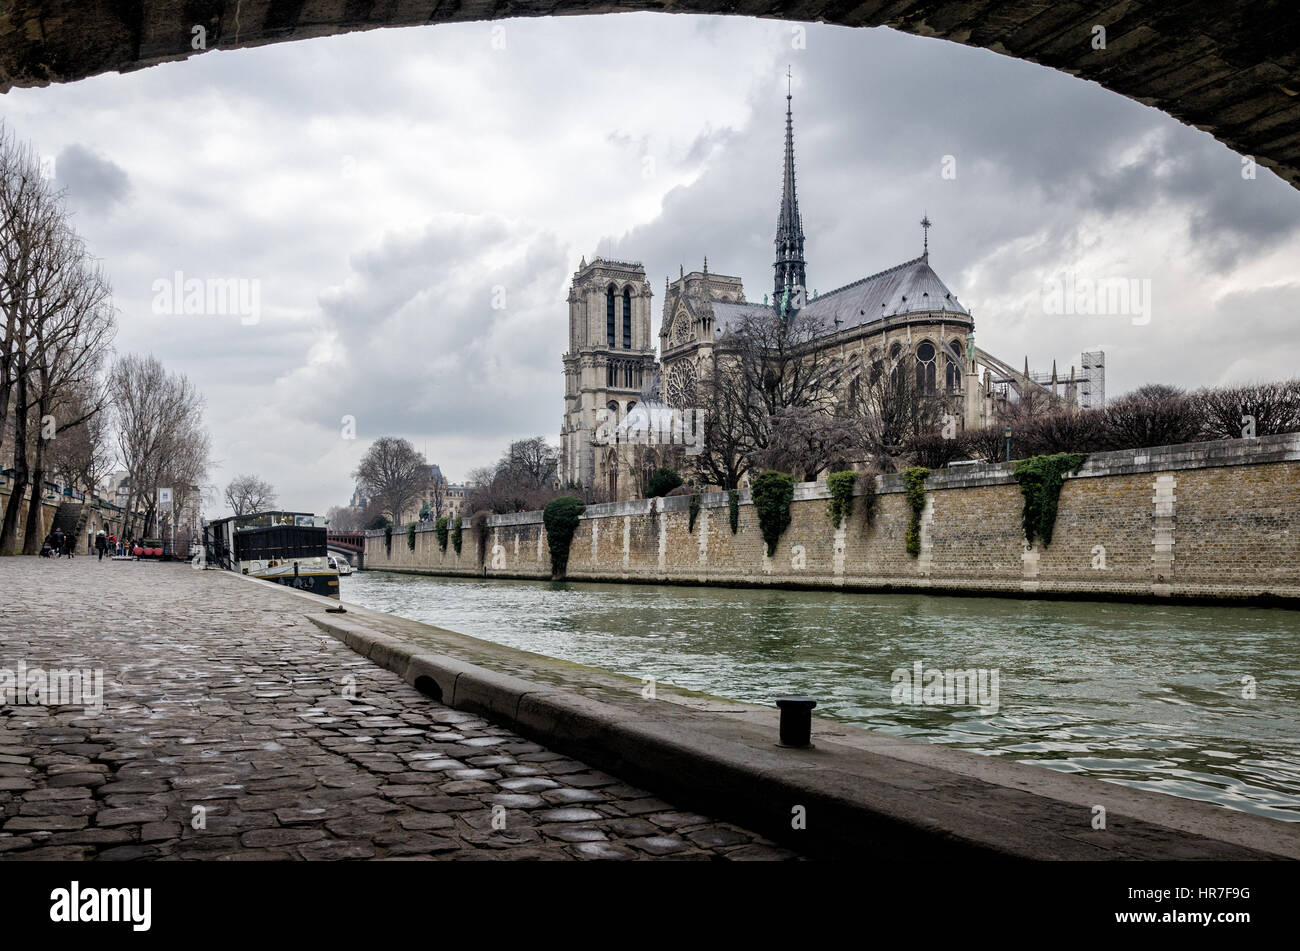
(856, 799)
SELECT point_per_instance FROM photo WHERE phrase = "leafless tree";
(806, 441)
(1269, 408)
(393, 474)
(160, 434)
(893, 411)
(1154, 415)
(82, 453)
(246, 494)
(58, 325)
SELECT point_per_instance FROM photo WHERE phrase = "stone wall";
(1216, 520)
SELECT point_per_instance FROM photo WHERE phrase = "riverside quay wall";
(1212, 520)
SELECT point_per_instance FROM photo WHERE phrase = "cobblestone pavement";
(223, 707)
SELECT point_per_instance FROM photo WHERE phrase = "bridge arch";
(1229, 68)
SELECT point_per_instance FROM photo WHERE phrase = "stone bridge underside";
(1229, 67)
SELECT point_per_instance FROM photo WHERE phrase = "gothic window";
(956, 365)
(630, 405)
(925, 368)
(877, 367)
(627, 320)
(609, 315)
(609, 374)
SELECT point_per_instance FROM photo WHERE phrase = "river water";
(1150, 696)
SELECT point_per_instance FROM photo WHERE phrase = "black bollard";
(796, 721)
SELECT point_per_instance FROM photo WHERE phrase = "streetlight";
(1007, 433)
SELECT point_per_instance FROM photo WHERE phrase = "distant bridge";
(351, 544)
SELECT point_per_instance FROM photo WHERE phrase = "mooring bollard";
(796, 721)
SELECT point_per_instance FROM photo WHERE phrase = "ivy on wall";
(388, 540)
(1041, 478)
(694, 510)
(914, 482)
(456, 537)
(561, 519)
(841, 503)
(479, 525)
(440, 528)
(773, 492)
(410, 536)
(733, 510)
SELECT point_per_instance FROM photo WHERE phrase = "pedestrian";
(58, 543)
(69, 544)
(101, 544)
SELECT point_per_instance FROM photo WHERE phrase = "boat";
(288, 548)
(342, 564)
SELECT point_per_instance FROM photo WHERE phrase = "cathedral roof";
(908, 288)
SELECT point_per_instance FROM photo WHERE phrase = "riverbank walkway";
(233, 728)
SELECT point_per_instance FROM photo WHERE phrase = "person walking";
(58, 542)
(101, 544)
(69, 544)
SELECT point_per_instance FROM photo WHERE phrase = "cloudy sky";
(378, 186)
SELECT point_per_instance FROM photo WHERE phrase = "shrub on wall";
(773, 492)
(388, 540)
(662, 482)
(733, 510)
(694, 509)
(440, 529)
(1041, 478)
(410, 536)
(561, 519)
(841, 504)
(457, 538)
(914, 481)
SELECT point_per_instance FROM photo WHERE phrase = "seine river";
(1149, 696)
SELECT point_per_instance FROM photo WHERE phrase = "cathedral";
(904, 315)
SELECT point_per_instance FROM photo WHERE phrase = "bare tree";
(160, 434)
(393, 474)
(1263, 409)
(1154, 415)
(246, 494)
(82, 454)
(58, 325)
(806, 441)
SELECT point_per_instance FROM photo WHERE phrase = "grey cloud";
(93, 182)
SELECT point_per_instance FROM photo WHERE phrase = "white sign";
(165, 497)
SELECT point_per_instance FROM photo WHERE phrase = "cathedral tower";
(611, 355)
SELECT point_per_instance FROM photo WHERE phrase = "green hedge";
(388, 540)
(456, 536)
(733, 510)
(1041, 478)
(561, 519)
(662, 482)
(914, 479)
(694, 509)
(841, 503)
(773, 492)
(440, 528)
(410, 536)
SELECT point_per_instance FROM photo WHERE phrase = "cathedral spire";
(789, 264)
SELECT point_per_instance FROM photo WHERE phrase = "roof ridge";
(872, 277)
